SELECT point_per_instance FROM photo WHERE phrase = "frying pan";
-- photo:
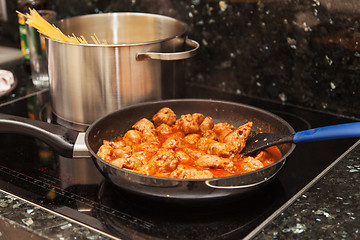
(70, 143)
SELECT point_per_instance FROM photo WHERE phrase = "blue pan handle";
(347, 130)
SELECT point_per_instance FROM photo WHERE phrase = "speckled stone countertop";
(327, 209)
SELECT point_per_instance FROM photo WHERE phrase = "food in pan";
(189, 147)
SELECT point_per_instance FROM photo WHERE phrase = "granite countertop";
(327, 209)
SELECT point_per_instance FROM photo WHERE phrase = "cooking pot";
(71, 143)
(140, 62)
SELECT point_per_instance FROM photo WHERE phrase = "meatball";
(213, 161)
(148, 169)
(148, 147)
(222, 129)
(164, 115)
(115, 143)
(210, 134)
(238, 137)
(187, 124)
(150, 136)
(207, 124)
(173, 141)
(198, 117)
(128, 163)
(213, 147)
(165, 160)
(183, 157)
(220, 149)
(123, 152)
(186, 172)
(132, 137)
(193, 153)
(246, 129)
(192, 138)
(164, 129)
(142, 156)
(143, 124)
(251, 164)
(105, 152)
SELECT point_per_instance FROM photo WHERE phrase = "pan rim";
(149, 103)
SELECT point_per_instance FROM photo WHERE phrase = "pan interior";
(117, 123)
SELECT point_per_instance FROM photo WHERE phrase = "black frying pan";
(70, 143)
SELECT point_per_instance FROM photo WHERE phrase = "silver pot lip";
(125, 44)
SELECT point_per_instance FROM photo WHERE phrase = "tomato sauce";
(189, 151)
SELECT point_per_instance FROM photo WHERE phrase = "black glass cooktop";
(73, 187)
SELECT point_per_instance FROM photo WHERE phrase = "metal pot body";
(137, 64)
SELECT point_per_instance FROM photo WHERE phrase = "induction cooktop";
(74, 188)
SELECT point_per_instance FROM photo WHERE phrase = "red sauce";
(184, 153)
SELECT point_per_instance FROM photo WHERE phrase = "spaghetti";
(34, 19)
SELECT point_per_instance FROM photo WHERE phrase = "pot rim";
(186, 27)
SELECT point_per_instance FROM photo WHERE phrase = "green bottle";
(23, 39)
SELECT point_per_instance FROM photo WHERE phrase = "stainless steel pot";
(138, 64)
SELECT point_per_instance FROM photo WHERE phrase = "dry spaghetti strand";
(35, 20)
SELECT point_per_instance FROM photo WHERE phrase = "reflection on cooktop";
(171, 220)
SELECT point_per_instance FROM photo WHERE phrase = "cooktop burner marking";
(75, 197)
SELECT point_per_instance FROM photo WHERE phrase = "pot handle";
(61, 139)
(171, 56)
(208, 182)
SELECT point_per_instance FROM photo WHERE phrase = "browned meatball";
(150, 136)
(207, 124)
(105, 152)
(210, 134)
(165, 160)
(193, 153)
(164, 129)
(123, 152)
(251, 164)
(142, 156)
(187, 124)
(173, 141)
(183, 157)
(192, 138)
(238, 137)
(115, 144)
(148, 168)
(128, 163)
(222, 129)
(164, 115)
(148, 147)
(198, 117)
(220, 149)
(215, 162)
(186, 172)
(213, 147)
(246, 129)
(143, 124)
(132, 137)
